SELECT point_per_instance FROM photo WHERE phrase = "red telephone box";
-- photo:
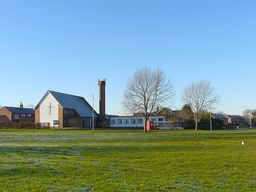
(150, 125)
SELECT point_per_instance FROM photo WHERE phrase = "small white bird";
(243, 143)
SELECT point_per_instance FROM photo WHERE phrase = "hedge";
(24, 125)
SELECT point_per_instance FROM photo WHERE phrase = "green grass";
(181, 160)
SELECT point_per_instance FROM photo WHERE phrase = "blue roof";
(82, 107)
(236, 117)
(219, 116)
(18, 110)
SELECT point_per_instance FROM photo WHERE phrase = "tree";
(205, 118)
(251, 114)
(199, 96)
(187, 114)
(30, 106)
(145, 91)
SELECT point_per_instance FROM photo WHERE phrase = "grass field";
(54, 160)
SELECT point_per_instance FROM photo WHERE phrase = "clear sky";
(67, 45)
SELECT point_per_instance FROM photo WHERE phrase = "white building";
(132, 121)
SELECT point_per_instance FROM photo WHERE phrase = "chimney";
(102, 97)
(21, 105)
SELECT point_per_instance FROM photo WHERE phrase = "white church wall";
(49, 109)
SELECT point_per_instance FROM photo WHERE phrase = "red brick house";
(236, 119)
(18, 114)
(221, 117)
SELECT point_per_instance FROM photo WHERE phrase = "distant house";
(235, 119)
(18, 114)
(64, 110)
(171, 115)
(221, 117)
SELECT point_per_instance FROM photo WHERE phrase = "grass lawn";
(180, 160)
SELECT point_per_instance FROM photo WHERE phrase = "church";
(64, 110)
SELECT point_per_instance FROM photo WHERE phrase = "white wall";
(131, 121)
(49, 110)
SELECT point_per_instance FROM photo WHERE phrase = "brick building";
(236, 119)
(18, 114)
(64, 110)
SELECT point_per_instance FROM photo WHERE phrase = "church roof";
(82, 107)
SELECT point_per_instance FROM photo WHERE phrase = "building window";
(153, 119)
(16, 116)
(126, 121)
(160, 119)
(23, 115)
(29, 115)
(71, 121)
(113, 121)
(56, 122)
(139, 121)
(133, 121)
(119, 121)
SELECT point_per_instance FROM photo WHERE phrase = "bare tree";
(30, 106)
(199, 96)
(251, 114)
(145, 91)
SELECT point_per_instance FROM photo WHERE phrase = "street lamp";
(250, 122)
(210, 101)
(250, 116)
(93, 112)
(211, 116)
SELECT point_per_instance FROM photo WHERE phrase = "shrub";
(24, 125)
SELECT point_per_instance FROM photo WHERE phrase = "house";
(64, 110)
(18, 114)
(221, 117)
(236, 119)
(171, 115)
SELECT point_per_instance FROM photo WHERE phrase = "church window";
(56, 122)
(71, 121)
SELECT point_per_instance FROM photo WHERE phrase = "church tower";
(102, 98)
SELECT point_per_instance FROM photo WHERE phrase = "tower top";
(103, 82)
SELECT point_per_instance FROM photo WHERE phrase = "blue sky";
(67, 46)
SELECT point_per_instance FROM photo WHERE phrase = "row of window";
(17, 116)
(66, 111)
(126, 121)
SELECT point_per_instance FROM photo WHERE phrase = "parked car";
(179, 128)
